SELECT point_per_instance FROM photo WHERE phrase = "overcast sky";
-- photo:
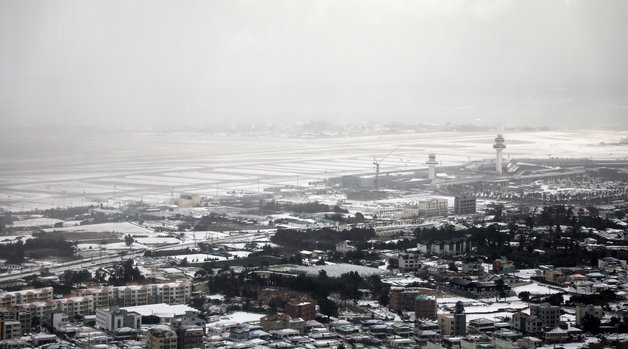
(156, 63)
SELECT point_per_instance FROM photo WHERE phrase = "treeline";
(165, 253)
(321, 239)
(39, 247)
(306, 207)
(563, 215)
(245, 284)
(206, 222)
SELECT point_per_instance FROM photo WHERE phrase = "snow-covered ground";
(36, 222)
(122, 227)
(336, 270)
(536, 289)
(236, 318)
(199, 257)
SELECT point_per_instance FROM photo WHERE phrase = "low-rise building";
(345, 246)
(189, 337)
(503, 266)
(476, 342)
(610, 264)
(583, 310)
(161, 337)
(282, 321)
(110, 319)
(452, 324)
(481, 325)
(528, 324)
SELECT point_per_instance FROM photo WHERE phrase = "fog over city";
(197, 64)
(429, 174)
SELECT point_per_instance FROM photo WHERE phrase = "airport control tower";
(431, 162)
(499, 147)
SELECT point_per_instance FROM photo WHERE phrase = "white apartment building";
(25, 296)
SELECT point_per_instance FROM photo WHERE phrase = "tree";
(555, 299)
(384, 299)
(328, 307)
(35, 323)
(524, 296)
(500, 288)
(452, 266)
(459, 308)
(128, 240)
(393, 263)
(590, 324)
(359, 217)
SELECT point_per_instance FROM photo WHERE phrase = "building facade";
(549, 314)
(433, 207)
(25, 296)
(403, 299)
(111, 319)
(409, 262)
(132, 295)
(426, 307)
(303, 310)
(161, 337)
(464, 205)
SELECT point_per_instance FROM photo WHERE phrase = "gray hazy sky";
(156, 63)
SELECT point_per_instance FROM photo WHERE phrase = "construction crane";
(376, 163)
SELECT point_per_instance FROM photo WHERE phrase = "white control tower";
(499, 146)
(431, 162)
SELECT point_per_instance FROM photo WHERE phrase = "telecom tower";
(431, 162)
(499, 146)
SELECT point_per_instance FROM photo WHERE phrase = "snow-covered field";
(235, 318)
(214, 164)
(199, 257)
(336, 270)
(122, 227)
(36, 222)
(536, 289)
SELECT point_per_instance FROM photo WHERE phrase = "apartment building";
(10, 329)
(409, 262)
(549, 314)
(426, 307)
(303, 310)
(25, 296)
(132, 295)
(403, 298)
(433, 207)
(452, 324)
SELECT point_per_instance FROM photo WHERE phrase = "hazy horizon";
(158, 64)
